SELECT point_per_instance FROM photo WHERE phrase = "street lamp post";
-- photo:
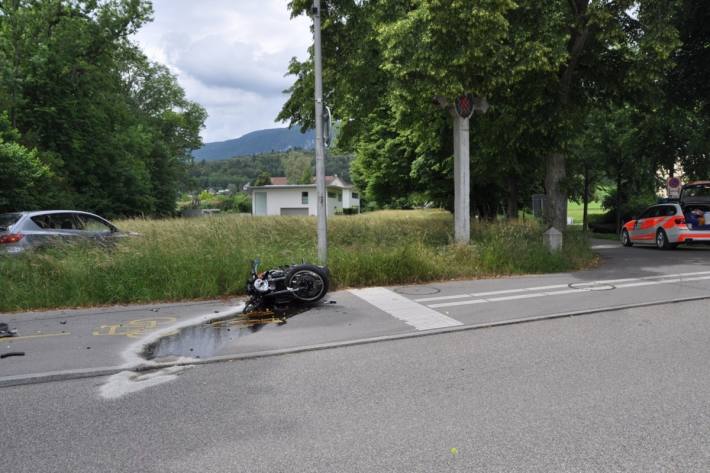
(321, 207)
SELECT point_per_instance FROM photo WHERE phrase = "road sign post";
(461, 112)
(674, 186)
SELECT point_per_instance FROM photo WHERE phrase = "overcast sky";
(230, 56)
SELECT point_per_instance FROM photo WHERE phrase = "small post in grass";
(552, 239)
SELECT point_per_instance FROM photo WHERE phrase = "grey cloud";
(234, 66)
(230, 56)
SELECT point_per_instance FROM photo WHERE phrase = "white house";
(281, 198)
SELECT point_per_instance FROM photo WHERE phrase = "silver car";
(21, 231)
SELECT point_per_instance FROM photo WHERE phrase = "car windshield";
(701, 190)
(8, 219)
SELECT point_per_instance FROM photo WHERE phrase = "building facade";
(280, 198)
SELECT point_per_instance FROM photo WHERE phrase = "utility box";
(552, 239)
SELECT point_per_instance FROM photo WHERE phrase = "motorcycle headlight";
(261, 285)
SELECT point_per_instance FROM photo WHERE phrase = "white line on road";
(639, 283)
(585, 286)
(606, 247)
(418, 316)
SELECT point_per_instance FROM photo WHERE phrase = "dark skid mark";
(12, 353)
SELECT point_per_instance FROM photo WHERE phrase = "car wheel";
(626, 238)
(662, 240)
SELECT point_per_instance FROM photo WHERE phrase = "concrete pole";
(462, 180)
(321, 208)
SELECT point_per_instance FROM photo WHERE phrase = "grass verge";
(182, 259)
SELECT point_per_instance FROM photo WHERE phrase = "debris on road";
(5, 331)
(12, 353)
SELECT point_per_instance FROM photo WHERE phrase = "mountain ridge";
(257, 142)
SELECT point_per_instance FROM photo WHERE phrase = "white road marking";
(586, 286)
(606, 247)
(629, 283)
(417, 315)
(491, 293)
(665, 281)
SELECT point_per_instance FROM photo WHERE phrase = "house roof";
(280, 182)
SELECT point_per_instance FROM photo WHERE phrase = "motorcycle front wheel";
(309, 282)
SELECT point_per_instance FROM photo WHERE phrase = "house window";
(356, 195)
(304, 198)
(340, 197)
(331, 195)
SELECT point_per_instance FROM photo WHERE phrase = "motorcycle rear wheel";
(310, 283)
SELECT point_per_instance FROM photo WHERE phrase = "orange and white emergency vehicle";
(671, 224)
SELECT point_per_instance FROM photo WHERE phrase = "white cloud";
(230, 56)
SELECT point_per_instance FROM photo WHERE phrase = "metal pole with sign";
(463, 108)
(674, 186)
(321, 207)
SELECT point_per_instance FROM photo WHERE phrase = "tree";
(544, 66)
(306, 176)
(23, 177)
(384, 63)
(113, 127)
(297, 167)
(264, 179)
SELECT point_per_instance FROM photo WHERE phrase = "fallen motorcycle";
(279, 288)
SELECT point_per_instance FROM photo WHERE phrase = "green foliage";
(242, 170)
(549, 69)
(263, 179)
(23, 177)
(297, 167)
(114, 128)
(241, 202)
(176, 259)
(306, 176)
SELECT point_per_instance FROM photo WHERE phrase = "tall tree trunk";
(512, 207)
(585, 199)
(14, 5)
(556, 201)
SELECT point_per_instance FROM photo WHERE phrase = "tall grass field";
(183, 259)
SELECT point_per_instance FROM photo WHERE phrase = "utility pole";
(321, 207)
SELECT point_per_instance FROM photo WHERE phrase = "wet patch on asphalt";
(205, 340)
(162, 356)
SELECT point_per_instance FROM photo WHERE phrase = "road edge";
(65, 375)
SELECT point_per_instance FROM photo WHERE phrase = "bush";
(240, 202)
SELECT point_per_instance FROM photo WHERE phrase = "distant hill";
(257, 142)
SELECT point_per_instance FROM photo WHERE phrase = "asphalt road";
(611, 392)
(100, 340)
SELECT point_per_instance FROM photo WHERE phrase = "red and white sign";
(674, 187)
